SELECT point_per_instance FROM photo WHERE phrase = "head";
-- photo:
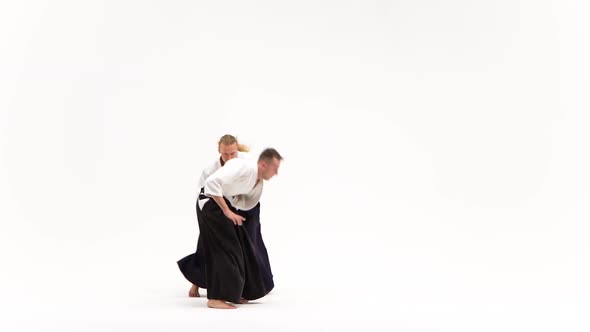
(228, 147)
(268, 163)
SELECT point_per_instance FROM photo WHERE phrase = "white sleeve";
(204, 176)
(245, 155)
(208, 171)
(226, 174)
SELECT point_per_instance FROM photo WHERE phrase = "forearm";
(221, 202)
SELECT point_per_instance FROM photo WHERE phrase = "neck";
(259, 177)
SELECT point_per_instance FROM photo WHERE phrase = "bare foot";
(244, 301)
(219, 304)
(194, 291)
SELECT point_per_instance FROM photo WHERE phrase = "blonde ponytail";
(243, 148)
(230, 139)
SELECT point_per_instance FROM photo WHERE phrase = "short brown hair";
(270, 154)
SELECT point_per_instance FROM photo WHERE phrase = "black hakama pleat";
(253, 228)
(233, 271)
(193, 266)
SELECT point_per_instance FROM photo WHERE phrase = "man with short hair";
(233, 274)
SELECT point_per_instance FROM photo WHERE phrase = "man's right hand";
(234, 217)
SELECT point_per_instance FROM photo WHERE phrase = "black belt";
(202, 194)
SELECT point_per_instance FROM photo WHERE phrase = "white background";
(435, 174)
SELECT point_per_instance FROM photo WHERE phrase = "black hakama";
(229, 258)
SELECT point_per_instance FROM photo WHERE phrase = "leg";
(219, 304)
(194, 291)
(223, 256)
(193, 266)
(253, 228)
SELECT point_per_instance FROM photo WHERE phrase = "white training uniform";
(236, 181)
(217, 165)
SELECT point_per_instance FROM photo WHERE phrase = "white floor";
(329, 281)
